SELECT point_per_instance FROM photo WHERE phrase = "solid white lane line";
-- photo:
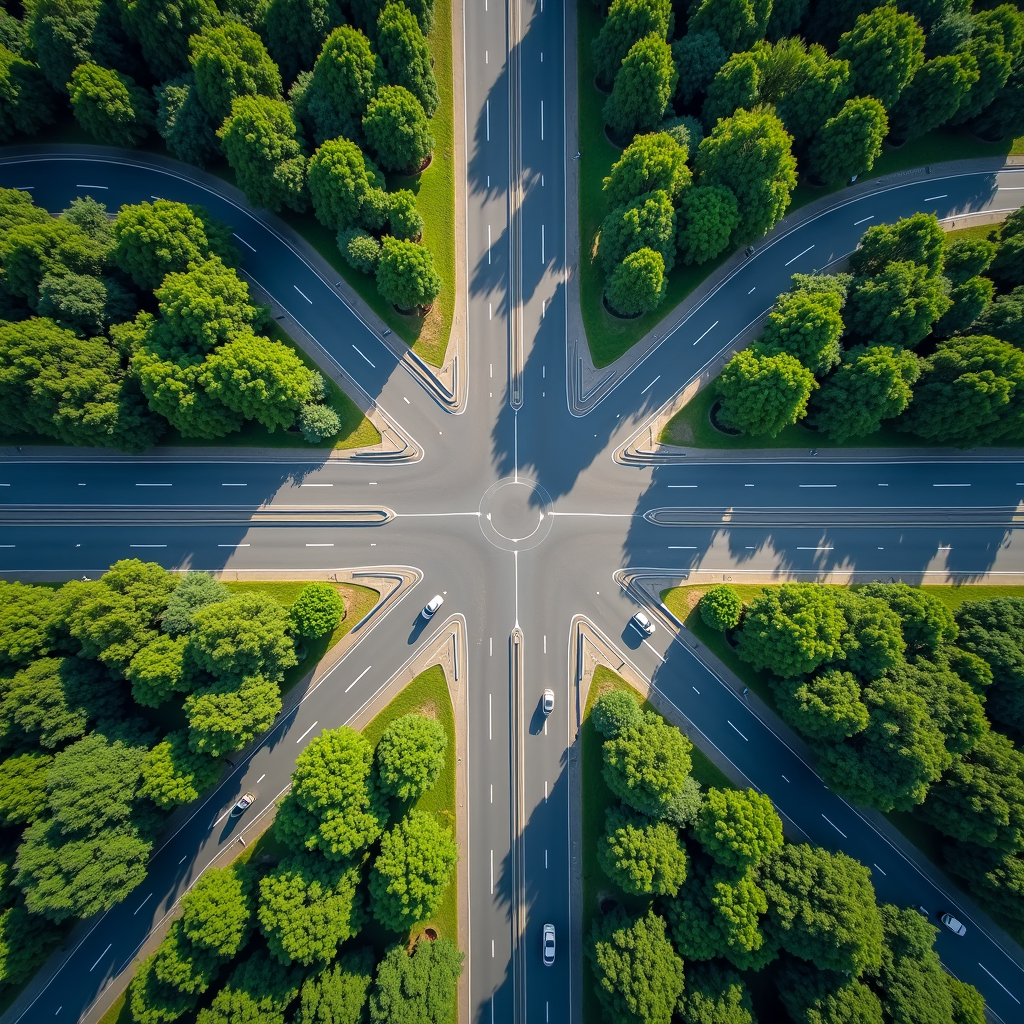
(651, 385)
(154, 485)
(101, 956)
(682, 547)
(104, 187)
(711, 328)
(363, 354)
(234, 485)
(798, 255)
(876, 867)
(741, 734)
(820, 547)
(492, 872)
(487, 108)
(140, 545)
(234, 545)
(951, 485)
(677, 487)
(316, 485)
(307, 732)
(541, 120)
(303, 294)
(930, 198)
(243, 241)
(261, 778)
(863, 220)
(836, 827)
(142, 904)
(817, 485)
(357, 678)
(999, 983)
(319, 545)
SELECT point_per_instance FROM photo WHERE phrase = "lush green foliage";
(762, 392)
(643, 87)
(721, 607)
(640, 855)
(417, 989)
(645, 765)
(410, 755)
(317, 610)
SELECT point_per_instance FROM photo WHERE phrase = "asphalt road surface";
(519, 517)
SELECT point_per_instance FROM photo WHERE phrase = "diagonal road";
(520, 516)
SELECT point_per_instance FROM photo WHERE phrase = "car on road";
(643, 624)
(547, 702)
(549, 945)
(955, 926)
(243, 805)
(432, 605)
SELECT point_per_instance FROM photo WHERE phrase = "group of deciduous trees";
(256, 941)
(915, 333)
(908, 706)
(83, 362)
(88, 774)
(260, 85)
(728, 896)
(744, 94)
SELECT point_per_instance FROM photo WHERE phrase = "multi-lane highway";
(519, 514)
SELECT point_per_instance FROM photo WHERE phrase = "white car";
(547, 702)
(243, 805)
(432, 605)
(549, 945)
(642, 623)
(955, 926)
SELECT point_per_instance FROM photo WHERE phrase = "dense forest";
(716, 896)
(309, 102)
(723, 105)
(907, 706)
(925, 331)
(119, 700)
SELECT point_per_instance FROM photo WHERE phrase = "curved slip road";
(563, 518)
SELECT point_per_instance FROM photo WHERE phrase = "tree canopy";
(410, 755)
(763, 392)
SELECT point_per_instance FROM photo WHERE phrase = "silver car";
(547, 702)
(642, 623)
(432, 605)
(955, 926)
(549, 945)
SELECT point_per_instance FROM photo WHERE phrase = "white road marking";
(541, 120)
(82, 485)
(741, 734)
(817, 485)
(357, 678)
(307, 732)
(316, 485)
(303, 294)
(490, 721)
(836, 827)
(488, 244)
(487, 108)
(243, 241)
(492, 1001)
(785, 779)
(545, 791)
(490, 645)
(682, 547)
(545, 860)
(140, 545)
(656, 654)
(677, 487)
(183, 859)
(261, 778)
(142, 904)
(999, 983)
(154, 485)
(752, 290)
(360, 351)
(798, 255)
(104, 187)
(319, 545)
(492, 792)
(945, 547)
(6, 545)
(545, 643)
(711, 328)
(748, 485)
(820, 547)
(492, 872)
(406, 400)
(1011, 188)
(487, 57)
(234, 545)
(651, 385)
(951, 485)
(863, 220)
(695, 690)
(234, 485)
(929, 199)
(542, 260)
(101, 956)
(876, 867)
(883, 485)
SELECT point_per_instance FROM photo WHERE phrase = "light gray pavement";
(947, 516)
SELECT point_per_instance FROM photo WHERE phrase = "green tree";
(67, 33)
(163, 29)
(738, 828)
(761, 392)
(966, 258)
(738, 905)
(153, 1001)
(410, 755)
(638, 975)
(417, 989)
(715, 995)
(346, 77)
(173, 774)
(737, 23)
(397, 128)
(616, 711)
(953, 704)
(156, 671)
(25, 941)
(23, 787)
(626, 22)
(296, 30)
(258, 989)
(971, 392)
(821, 908)
(994, 60)
(885, 49)
(807, 326)
(967, 1003)
(75, 301)
(968, 300)
(994, 630)
(911, 975)
(643, 88)
(217, 910)
(694, 923)
(308, 907)
(934, 95)
(1004, 318)
(338, 994)
(650, 163)
(317, 610)
(412, 870)
(641, 856)
(187, 129)
(163, 237)
(262, 146)
(872, 384)
(404, 220)
(110, 106)
(873, 641)
(811, 996)
(817, 96)
(737, 84)
(406, 55)
(850, 143)
(27, 98)
(646, 765)
(332, 807)
(721, 607)
(229, 61)
(996, 876)
(319, 423)
(648, 222)
(750, 154)
(345, 186)
(27, 614)
(918, 239)
(227, 714)
(706, 217)
(406, 276)
(1004, 116)
(825, 707)
(1007, 269)
(899, 306)
(637, 285)
(697, 56)
(790, 630)
(927, 622)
